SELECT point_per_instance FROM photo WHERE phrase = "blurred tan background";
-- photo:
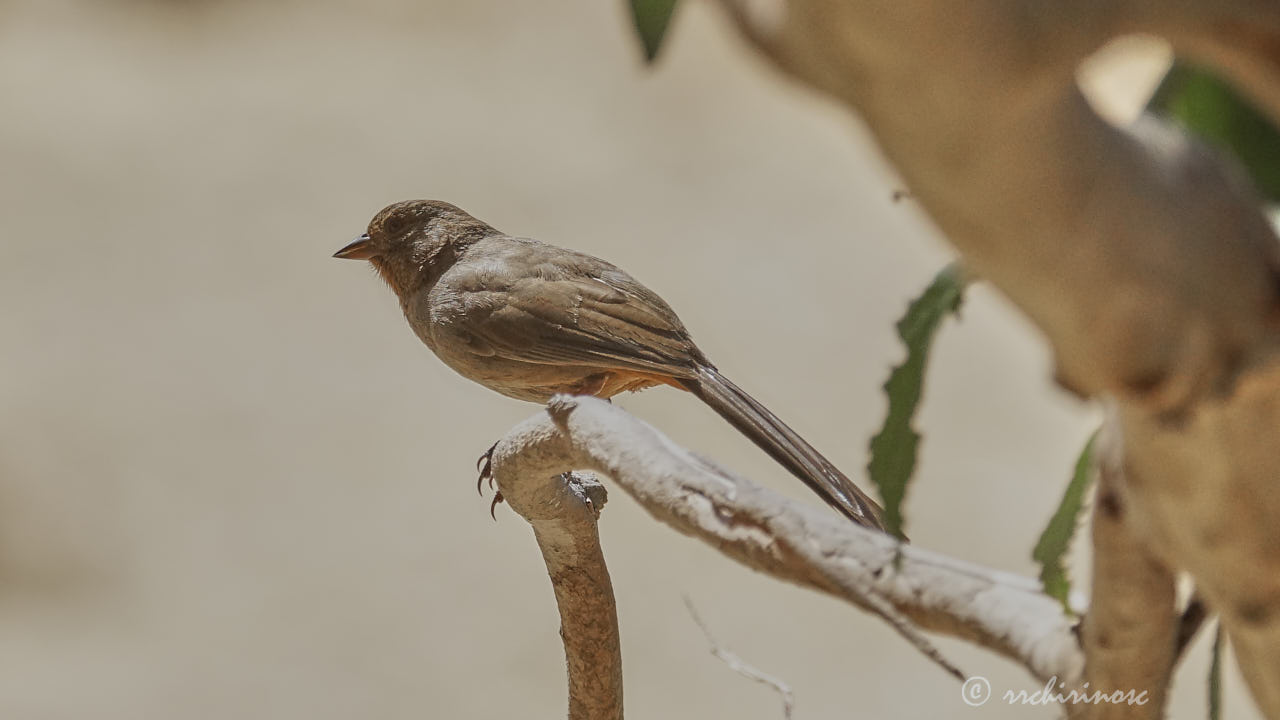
(233, 484)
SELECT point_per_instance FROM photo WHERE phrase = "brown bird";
(531, 320)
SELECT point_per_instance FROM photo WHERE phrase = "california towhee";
(531, 320)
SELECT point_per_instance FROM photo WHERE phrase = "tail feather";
(784, 445)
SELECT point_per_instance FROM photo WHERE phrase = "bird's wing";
(551, 306)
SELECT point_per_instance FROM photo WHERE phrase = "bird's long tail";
(784, 445)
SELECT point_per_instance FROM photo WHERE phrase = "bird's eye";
(396, 223)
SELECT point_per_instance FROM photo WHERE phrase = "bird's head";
(411, 242)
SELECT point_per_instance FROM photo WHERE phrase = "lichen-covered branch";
(765, 531)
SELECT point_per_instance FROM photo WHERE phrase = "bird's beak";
(360, 249)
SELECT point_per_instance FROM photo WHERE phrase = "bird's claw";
(484, 465)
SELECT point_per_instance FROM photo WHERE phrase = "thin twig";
(740, 666)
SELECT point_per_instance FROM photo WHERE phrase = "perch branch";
(765, 531)
(562, 508)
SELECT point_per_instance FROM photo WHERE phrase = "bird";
(532, 320)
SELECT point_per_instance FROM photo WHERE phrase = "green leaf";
(1215, 677)
(652, 18)
(1055, 541)
(1214, 111)
(893, 449)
